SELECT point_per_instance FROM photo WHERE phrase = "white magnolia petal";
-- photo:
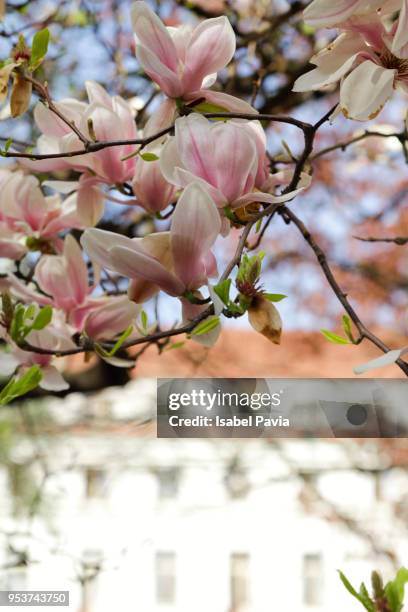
(381, 362)
(365, 91)
(52, 379)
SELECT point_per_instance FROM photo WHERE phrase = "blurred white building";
(129, 522)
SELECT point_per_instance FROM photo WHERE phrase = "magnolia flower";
(177, 261)
(184, 61)
(363, 53)
(326, 13)
(28, 219)
(105, 118)
(181, 60)
(63, 280)
(228, 159)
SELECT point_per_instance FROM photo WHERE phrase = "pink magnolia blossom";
(25, 213)
(227, 158)
(181, 60)
(176, 261)
(184, 61)
(362, 57)
(105, 118)
(63, 279)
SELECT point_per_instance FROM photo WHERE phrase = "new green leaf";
(206, 326)
(39, 47)
(17, 387)
(332, 337)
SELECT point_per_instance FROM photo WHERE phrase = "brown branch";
(364, 332)
(92, 147)
(399, 240)
(401, 136)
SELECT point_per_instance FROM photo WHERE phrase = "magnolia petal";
(111, 318)
(90, 203)
(400, 39)
(167, 80)
(76, 269)
(365, 91)
(380, 362)
(194, 229)
(141, 290)
(8, 364)
(211, 48)
(98, 243)
(25, 292)
(139, 265)
(191, 312)
(266, 198)
(223, 100)
(96, 93)
(153, 35)
(52, 379)
(326, 13)
(160, 120)
(332, 63)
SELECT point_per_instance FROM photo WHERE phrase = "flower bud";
(248, 274)
(265, 319)
(20, 96)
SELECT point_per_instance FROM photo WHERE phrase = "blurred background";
(92, 502)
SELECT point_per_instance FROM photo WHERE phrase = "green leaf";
(274, 297)
(173, 346)
(17, 387)
(347, 328)
(207, 107)
(361, 598)
(124, 336)
(206, 326)
(39, 47)
(394, 590)
(144, 319)
(332, 337)
(30, 312)
(223, 290)
(365, 598)
(112, 360)
(8, 144)
(43, 318)
(149, 157)
(17, 323)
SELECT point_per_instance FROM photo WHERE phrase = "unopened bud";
(20, 96)
(377, 583)
(265, 319)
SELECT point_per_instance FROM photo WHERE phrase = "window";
(95, 482)
(168, 479)
(165, 577)
(239, 572)
(312, 579)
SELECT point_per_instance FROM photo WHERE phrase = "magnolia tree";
(195, 163)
